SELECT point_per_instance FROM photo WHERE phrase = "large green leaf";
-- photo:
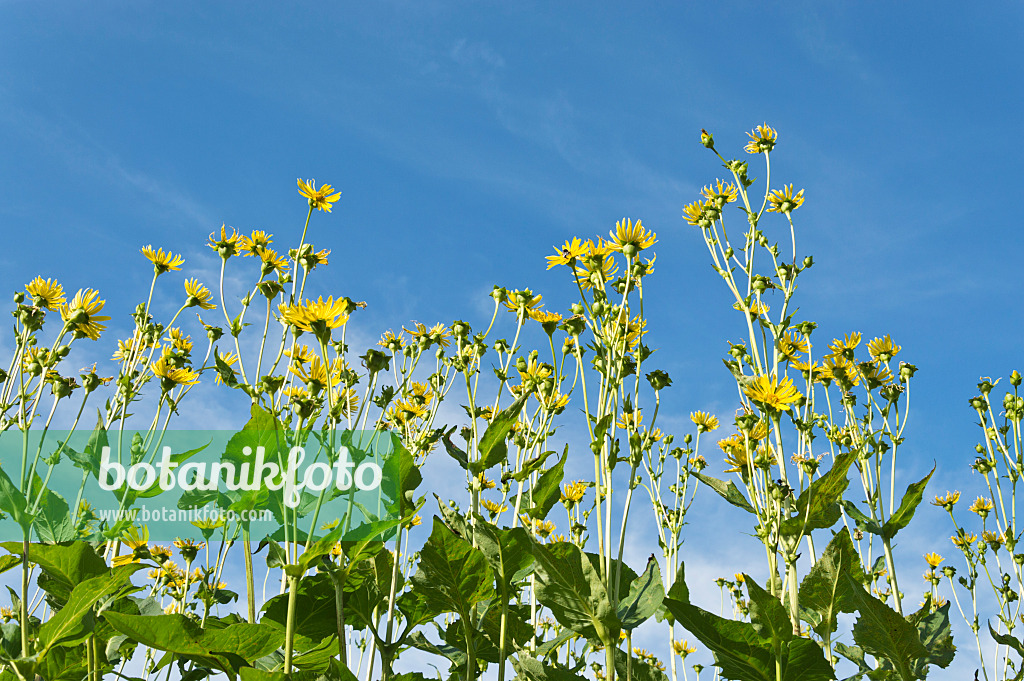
(767, 615)
(570, 586)
(825, 590)
(727, 490)
(884, 633)
(645, 597)
(68, 563)
(547, 490)
(452, 574)
(740, 652)
(315, 615)
(74, 622)
(903, 515)
(492, 447)
(53, 520)
(816, 507)
(12, 501)
(228, 649)
(936, 636)
(508, 551)
(532, 669)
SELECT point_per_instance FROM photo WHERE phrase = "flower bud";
(1015, 378)
(706, 139)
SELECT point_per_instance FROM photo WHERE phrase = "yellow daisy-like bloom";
(784, 200)
(683, 648)
(573, 491)
(982, 506)
(271, 260)
(736, 455)
(933, 559)
(228, 244)
(82, 314)
(720, 194)
(555, 402)
(485, 482)
(346, 401)
(947, 501)
(571, 250)
(322, 314)
(248, 245)
(301, 354)
(993, 539)
(846, 346)
(629, 237)
(179, 340)
(599, 264)
(45, 293)
(391, 341)
(198, 295)
(173, 376)
(772, 393)
(545, 317)
(697, 214)
(160, 553)
(162, 262)
(755, 310)
(211, 523)
(837, 367)
(704, 421)
(493, 508)
(963, 541)
(761, 139)
(322, 198)
(791, 346)
(315, 377)
(523, 300)
(543, 528)
(883, 349)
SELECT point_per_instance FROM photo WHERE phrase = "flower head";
(162, 262)
(173, 375)
(629, 237)
(883, 349)
(571, 250)
(933, 559)
(982, 506)
(45, 293)
(704, 421)
(761, 139)
(720, 194)
(248, 245)
(947, 501)
(573, 492)
(317, 317)
(82, 314)
(198, 295)
(784, 200)
(322, 198)
(228, 244)
(772, 393)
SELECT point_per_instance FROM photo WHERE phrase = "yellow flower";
(544, 317)
(754, 310)
(228, 358)
(494, 509)
(697, 214)
(790, 346)
(329, 314)
(571, 250)
(391, 341)
(82, 314)
(784, 200)
(301, 354)
(573, 491)
(599, 264)
(198, 295)
(761, 139)
(963, 541)
(228, 244)
(721, 194)
(947, 501)
(259, 239)
(704, 421)
(933, 559)
(883, 349)
(7, 614)
(211, 523)
(162, 262)
(737, 455)
(543, 528)
(173, 376)
(45, 293)
(982, 506)
(993, 539)
(346, 401)
(322, 198)
(629, 238)
(179, 341)
(271, 260)
(839, 368)
(522, 301)
(315, 377)
(772, 393)
(683, 648)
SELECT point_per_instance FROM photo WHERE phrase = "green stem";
(289, 633)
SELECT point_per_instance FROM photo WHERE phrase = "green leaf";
(53, 520)
(453, 451)
(1006, 640)
(507, 551)
(69, 563)
(864, 523)
(767, 615)
(936, 635)
(532, 669)
(492, 447)
(903, 515)
(228, 649)
(825, 590)
(74, 622)
(816, 507)
(89, 459)
(12, 501)
(570, 586)
(646, 594)
(740, 653)
(883, 632)
(547, 491)
(452, 574)
(315, 616)
(727, 490)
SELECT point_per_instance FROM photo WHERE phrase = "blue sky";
(470, 137)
